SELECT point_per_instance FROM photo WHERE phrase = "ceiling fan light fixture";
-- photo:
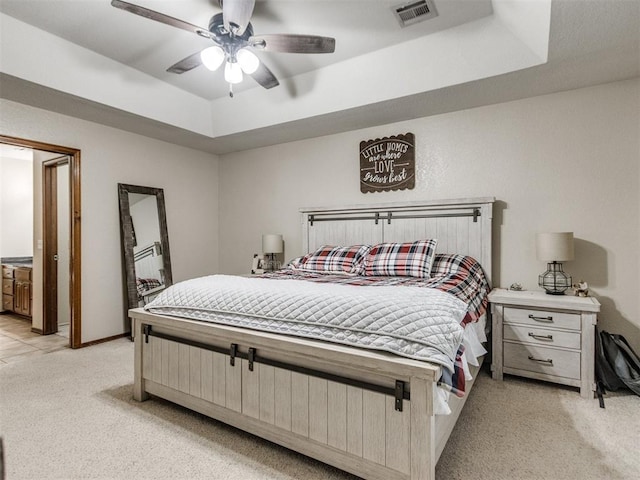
(248, 61)
(212, 57)
(233, 72)
(231, 31)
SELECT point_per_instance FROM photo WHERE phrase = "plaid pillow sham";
(295, 263)
(401, 259)
(330, 259)
(449, 263)
(145, 284)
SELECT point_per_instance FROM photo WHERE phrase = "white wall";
(562, 162)
(16, 203)
(109, 156)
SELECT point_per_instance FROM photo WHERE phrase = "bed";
(368, 412)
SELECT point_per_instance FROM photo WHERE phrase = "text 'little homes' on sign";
(387, 163)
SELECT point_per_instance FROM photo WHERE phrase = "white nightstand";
(546, 337)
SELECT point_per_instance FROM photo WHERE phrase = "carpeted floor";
(70, 415)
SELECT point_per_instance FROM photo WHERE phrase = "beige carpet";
(70, 415)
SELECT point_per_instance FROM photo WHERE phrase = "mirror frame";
(126, 236)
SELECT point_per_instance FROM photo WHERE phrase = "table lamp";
(554, 248)
(271, 245)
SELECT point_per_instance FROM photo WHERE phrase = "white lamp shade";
(248, 61)
(272, 243)
(212, 57)
(233, 72)
(554, 247)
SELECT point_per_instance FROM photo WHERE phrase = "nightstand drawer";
(542, 318)
(542, 336)
(7, 272)
(548, 361)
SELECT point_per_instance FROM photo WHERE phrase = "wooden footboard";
(365, 412)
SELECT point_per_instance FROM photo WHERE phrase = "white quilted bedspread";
(414, 322)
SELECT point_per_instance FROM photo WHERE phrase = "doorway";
(66, 163)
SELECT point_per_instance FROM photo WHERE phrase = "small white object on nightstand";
(546, 337)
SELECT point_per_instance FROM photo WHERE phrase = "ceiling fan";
(232, 34)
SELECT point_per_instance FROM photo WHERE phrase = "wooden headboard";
(461, 226)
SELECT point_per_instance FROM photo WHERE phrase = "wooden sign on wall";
(387, 163)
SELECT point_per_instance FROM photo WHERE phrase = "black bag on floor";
(617, 365)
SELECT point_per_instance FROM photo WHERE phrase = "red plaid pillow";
(329, 259)
(450, 263)
(401, 259)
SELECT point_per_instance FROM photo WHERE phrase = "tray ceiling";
(109, 66)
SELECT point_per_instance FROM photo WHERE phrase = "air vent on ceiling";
(414, 12)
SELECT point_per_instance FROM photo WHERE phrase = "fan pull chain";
(231, 90)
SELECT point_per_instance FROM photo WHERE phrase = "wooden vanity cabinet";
(17, 290)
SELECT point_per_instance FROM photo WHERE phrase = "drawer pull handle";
(541, 319)
(548, 361)
(546, 338)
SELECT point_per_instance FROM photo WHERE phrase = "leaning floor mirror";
(145, 243)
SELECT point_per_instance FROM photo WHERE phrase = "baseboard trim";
(36, 330)
(103, 340)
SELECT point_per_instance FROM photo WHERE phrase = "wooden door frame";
(49, 324)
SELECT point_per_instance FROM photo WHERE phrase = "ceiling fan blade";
(290, 43)
(265, 77)
(236, 14)
(160, 17)
(186, 64)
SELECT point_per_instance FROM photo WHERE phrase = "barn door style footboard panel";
(365, 427)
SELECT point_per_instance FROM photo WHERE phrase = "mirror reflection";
(147, 248)
(145, 243)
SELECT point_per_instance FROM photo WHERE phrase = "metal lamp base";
(271, 264)
(554, 281)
